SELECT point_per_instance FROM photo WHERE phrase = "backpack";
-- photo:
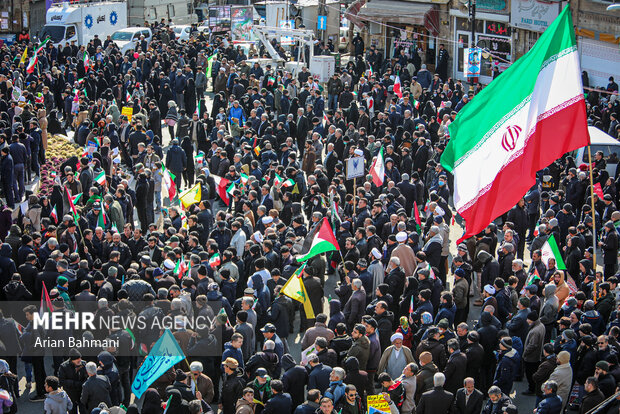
(8, 384)
(401, 397)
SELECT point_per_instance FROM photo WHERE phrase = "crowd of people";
(391, 308)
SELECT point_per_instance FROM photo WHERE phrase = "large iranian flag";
(524, 120)
(324, 241)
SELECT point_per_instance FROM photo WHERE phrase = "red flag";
(598, 191)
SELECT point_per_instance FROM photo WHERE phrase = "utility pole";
(322, 11)
(472, 41)
(472, 19)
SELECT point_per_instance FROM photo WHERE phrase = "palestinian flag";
(167, 182)
(221, 185)
(215, 261)
(100, 179)
(324, 241)
(532, 278)
(32, 64)
(551, 250)
(46, 302)
(397, 90)
(102, 221)
(416, 212)
(378, 169)
(54, 214)
(522, 122)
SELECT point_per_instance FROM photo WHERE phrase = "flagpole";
(593, 213)
(354, 199)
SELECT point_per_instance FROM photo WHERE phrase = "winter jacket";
(563, 375)
(550, 404)
(57, 402)
(507, 370)
(534, 342)
(549, 310)
(319, 378)
(294, 379)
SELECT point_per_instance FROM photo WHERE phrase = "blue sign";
(165, 354)
(321, 22)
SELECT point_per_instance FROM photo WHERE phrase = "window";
(171, 11)
(70, 32)
(55, 33)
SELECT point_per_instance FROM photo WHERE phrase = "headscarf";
(404, 324)
(4, 367)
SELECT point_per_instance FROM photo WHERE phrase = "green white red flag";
(378, 169)
(168, 182)
(214, 261)
(522, 122)
(550, 250)
(100, 179)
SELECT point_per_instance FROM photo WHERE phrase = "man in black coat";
(72, 374)
(456, 367)
(468, 400)
(142, 188)
(280, 402)
(436, 400)
(518, 216)
(294, 379)
(96, 389)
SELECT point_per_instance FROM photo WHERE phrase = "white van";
(127, 38)
(182, 31)
(600, 141)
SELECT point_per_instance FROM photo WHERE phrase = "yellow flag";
(24, 56)
(295, 189)
(191, 196)
(295, 289)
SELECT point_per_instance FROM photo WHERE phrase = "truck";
(179, 11)
(80, 22)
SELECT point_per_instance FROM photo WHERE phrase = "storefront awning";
(391, 11)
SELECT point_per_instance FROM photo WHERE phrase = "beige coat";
(563, 375)
(42, 116)
(407, 258)
(386, 356)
